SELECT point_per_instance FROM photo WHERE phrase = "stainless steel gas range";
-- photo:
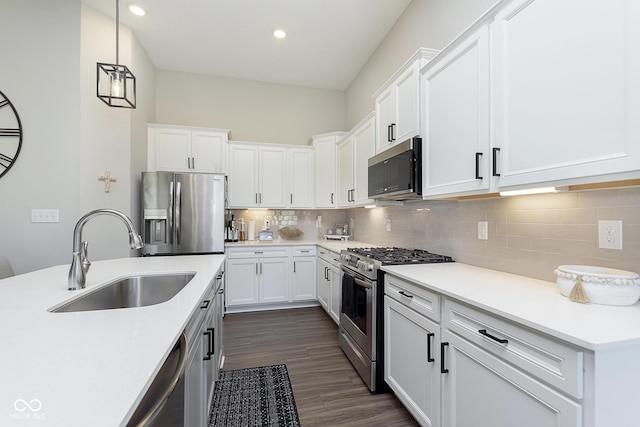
(361, 313)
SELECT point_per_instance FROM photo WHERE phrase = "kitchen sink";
(128, 292)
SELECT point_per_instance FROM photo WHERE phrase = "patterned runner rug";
(254, 397)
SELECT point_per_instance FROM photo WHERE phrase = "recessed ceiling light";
(279, 34)
(137, 10)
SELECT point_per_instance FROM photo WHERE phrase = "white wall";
(70, 136)
(425, 23)
(254, 111)
(40, 40)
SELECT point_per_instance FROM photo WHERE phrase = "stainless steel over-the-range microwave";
(396, 173)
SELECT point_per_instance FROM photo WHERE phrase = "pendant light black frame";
(105, 72)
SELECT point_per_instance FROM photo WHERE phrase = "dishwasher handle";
(155, 408)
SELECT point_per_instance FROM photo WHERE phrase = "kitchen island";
(91, 367)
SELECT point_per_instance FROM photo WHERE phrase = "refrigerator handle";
(171, 206)
(177, 218)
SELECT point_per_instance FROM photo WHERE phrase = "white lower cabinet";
(411, 341)
(303, 284)
(323, 285)
(481, 389)
(204, 355)
(277, 276)
(468, 368)
(329, 283)
(254, 281)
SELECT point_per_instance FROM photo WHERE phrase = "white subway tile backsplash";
(528, 235)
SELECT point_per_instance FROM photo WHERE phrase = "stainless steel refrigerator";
(183, 213)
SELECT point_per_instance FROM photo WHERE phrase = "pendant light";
(116, 83)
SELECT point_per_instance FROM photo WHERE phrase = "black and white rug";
(254, 397)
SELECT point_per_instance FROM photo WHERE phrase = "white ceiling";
(328, 41)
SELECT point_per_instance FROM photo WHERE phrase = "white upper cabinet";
(397, 103)
(455, 117)
(354, 151)
(325, 169)
(185, 149)
(535, 93)
(566, 90)
(257, 176)
(345, 171)
(301, 177)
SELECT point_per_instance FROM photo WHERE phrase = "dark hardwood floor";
(327, 389)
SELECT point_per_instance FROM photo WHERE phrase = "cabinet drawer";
(416, 297)
(304, 250)
(259, 252)
(558, 364)
(331, 257)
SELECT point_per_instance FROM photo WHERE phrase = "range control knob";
(365, 266)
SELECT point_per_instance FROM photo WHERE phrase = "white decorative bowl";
(602, 285)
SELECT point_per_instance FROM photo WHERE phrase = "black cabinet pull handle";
(393, 128)
(430, 336)
(496, 150)
(211, 342)
(389, 133)
(291, 198)
(331, 198)
(478, 156)
(403, 293)
(488, 335)
(294, 266)
(205, 304)
(443, 345)
(207, 333)
(193, 162)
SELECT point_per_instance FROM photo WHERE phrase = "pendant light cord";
(117, 30)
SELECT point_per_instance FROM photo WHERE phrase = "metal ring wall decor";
(10, 134)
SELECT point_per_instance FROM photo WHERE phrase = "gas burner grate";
(394, 255)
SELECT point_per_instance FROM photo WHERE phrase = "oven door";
(356, 311)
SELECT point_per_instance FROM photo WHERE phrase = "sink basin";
(130, 291)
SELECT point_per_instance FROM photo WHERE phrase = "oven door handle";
(362, 283)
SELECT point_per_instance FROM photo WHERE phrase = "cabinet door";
(335, 293)
(411, 368)
(173, 150)
(325, 168)
(273, 177)
(243, 176)
(407, 104)
(363, 148)
(301, 179)
(194, 391)
(323, 284)
(345, 172)
(384, 120)
(242, 282)
(560, 111)
(480, 389)
(274, 280)
(208, 152)
(455, 119)
(304, 279)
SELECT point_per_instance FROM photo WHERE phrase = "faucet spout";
(80, 262)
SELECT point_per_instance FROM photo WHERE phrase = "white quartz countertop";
(88, 368)
(535, 303)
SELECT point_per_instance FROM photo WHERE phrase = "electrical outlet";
(45, 215)
(387, 222)
(483, 230)
(610, 234)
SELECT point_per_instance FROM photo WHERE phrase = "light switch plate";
(483, 230)
(45, 215)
